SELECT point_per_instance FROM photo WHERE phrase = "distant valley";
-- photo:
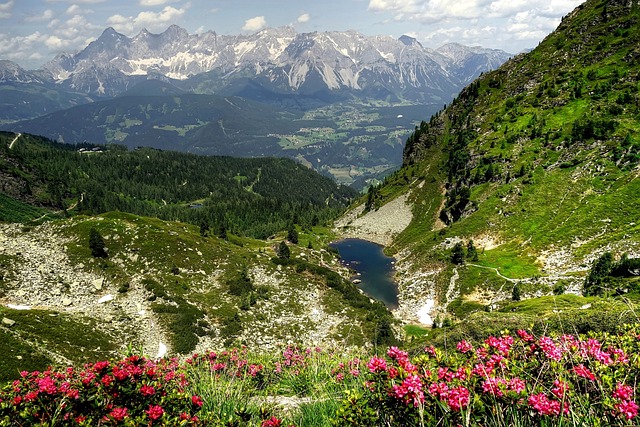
(339, 102)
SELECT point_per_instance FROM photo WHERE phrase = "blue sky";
(33, 31)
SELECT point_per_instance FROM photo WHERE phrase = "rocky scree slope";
(164, 288)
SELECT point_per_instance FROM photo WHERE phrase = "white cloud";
(430, 11)
(147, 19)
(392, 5)
(305, 17)
(47, 15)
(54, 23)
(155, 2)
(485, 22)
(76, 1)
(6, 9)
(255, 24)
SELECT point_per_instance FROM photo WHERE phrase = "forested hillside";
(253, 197)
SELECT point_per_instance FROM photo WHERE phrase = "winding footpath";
(14, 141)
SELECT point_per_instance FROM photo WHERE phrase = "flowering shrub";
(134, 391)
(507, 380)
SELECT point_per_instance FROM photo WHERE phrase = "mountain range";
(278, 59)
(339, 102)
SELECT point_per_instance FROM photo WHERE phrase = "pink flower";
(458, 398)
(550, 349)
(46, 385)
(461, 374)
(431, 350)
(99, 366)
(559, 389)
(396, 354)
(107, 380)
(516, 384)
(503, 344)
(445, 373)
(31, 396)
(254, 370)
(525, 336)
(584, 372)
(410, 390)
(272, 422)
(545, 406)
(464, 347)
(197, 401)
(147, 390)
(120, 374)
(627, 409)
(155, 412)
(439, 390)
(377, 364)
(493, 385)
(623, 392)
(118, 414)
(619, 356)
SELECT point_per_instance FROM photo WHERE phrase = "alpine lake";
(374, 270)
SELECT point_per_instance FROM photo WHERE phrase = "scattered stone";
(18, 307)
(8, 322)
(105, 298)
(67, 302)
(97, 284)
(162, 350)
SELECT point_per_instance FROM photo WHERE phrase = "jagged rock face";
(279, 58)
(12, 72)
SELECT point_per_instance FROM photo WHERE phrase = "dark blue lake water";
(375, 268)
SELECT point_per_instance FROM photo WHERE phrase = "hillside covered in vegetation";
(528, 177)
(253, 197)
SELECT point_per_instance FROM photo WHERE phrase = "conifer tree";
(457, 255)
(96, 244)
(283, 251)
(472, 253)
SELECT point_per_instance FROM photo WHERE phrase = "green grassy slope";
(536, 162)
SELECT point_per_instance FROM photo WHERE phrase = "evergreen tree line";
(255, 197)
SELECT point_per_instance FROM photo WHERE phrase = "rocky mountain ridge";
(276, 58)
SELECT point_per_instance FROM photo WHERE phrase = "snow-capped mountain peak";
(279, 57)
